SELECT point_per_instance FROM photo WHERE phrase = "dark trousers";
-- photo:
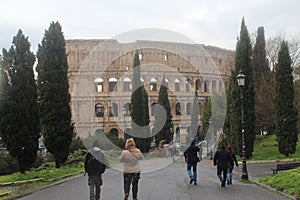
(95, 183)
(131, 178)
(221, 171)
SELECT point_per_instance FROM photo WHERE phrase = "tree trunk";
(57, 164)
(21, 168)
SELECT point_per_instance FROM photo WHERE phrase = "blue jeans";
(192, 175)
(229, 173)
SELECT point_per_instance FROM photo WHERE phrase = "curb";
(273, 190)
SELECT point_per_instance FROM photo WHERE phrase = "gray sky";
(209, 22)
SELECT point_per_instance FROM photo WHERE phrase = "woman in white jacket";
(131, 168)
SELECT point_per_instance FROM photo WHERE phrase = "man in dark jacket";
(94, 166)
(191, 158)
(222, 159)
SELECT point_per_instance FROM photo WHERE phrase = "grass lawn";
(286, 181)
(45, 177)
(265, 148)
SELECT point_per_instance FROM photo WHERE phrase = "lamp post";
(241, 84)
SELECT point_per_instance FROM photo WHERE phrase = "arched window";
(127, 84)
(127, 108)
(112, 84)
(113, 110)
(178, 109)
(198, 84)
(153, 84)
(114, 132)
(177, 85)
(206, 86)
(187, 85)
(214, 86)
(98, 85)
(188, 108)
(99, 110)
(220, 86)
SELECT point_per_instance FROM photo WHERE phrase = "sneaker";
(195, 183)
(191, 181)
(126, 196)
(230, 182)
(223, 184)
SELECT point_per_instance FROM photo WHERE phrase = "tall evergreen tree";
(139, 110)
(242, 63)
(53, 87)
(286, 113)
(263, 83)
(19, 107)
(259, 59)
(232, 125)
(165, 133)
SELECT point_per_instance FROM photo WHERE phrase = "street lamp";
(241, 84)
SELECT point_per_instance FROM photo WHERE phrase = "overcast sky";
(209, 22)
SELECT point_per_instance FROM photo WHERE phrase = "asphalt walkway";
(162, 179)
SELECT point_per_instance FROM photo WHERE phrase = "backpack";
(93, 166)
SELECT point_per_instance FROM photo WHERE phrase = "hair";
(230, 149)
(223, 145)
(130, 143)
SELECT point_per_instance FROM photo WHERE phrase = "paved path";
(167, 183)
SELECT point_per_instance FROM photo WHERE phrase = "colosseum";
(100, 74)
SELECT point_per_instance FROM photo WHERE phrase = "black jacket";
(190, 154)
(94, 164)
(222, 159)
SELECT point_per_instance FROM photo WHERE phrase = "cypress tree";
(242, 63)
(53, 87)
(165, 133)
(286, 113)
(263, 83)
(232, 125)
(139, 110)
(19, 107)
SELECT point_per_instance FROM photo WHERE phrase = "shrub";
(8, 164)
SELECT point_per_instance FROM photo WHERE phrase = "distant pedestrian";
(221, 160)
(95, 166)
(191, 158)
(231, 165)
(131, 168)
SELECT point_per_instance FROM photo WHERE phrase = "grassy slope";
(286, 181)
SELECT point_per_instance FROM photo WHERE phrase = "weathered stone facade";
(100, 75)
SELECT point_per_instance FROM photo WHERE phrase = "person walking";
(130, 157)
(221, 160)
(231, 165)
(191, 158)
(94, 166)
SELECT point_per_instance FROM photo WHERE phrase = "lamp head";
(241, 79)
